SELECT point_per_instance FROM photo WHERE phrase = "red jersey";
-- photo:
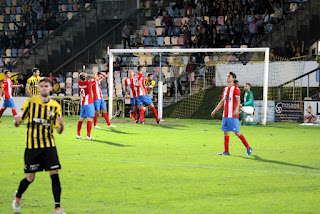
(128, 83)
(96, 89)
(138, 90)
(85, 89)
(7, 88)
(229, 96)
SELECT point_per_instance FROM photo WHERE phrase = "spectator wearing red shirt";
(167, 20)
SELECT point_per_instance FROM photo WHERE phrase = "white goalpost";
(114, 52)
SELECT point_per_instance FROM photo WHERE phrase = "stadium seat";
(174, 40)
(146, 31)
(154, 41)
(104, 92)
(14, 2)
(75, 85)
(18, 18)
(177, 31)
(152, 31)
(116, 74)
(61, 95)
(269, 27)
(14, 52)
(9, 2)
(249, 18)
(177, 22)
(63, 16)
(193, 30)
(68, 91)
(64, 8)
(159, 31)
(20, 52)
(142, 60)
(103, 85)
(75, 75)
(1, 26)
(147, 41)
(1, 18)
(60, 7)
(69, 15)
(70, 7)
(213, 19)
(75, 7)
(8, 52)
(167, 40)
(39, 32)
(75, 80)
(157, 22)
(69, 79)
(19, 10)
(244, 46)
(13, 17)
(8, 10)
(13, 10)
(227, 46)
(87, 6)
(170, 12)
(62, 85)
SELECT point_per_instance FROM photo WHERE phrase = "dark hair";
(248, 84)
(149, 75)
(35, 70)
(82, 77)
(6, 71)
(45, 79)
(235, 81)
(139, 67)
(233, 75)
(54, 80)
(99, 73)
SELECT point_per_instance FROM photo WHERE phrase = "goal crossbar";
(111, 53)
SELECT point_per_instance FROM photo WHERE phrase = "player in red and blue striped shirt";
(230, 119)
(7, 87)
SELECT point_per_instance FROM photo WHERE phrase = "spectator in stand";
(167, 20)
(159, 12)
(104, 66)
(216, 39)
(253, 29)
(223, 9)
(176, 12)
(8, 65)
(196, 43)
(21, 81)
(278, 11)
(185, 29)
(137, 40)
(51, 76)
(188, 5)
(61, 79)
(297, 51)
(179, 4)
(204, 41)
(39, 11)
(126, 32)
(116, 64)
(238, 30)
(56, 88)
(5, 41)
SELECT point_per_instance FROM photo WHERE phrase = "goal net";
(184, 76)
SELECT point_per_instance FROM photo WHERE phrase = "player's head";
(236, 82)
(247, 87)
(82, 76)
(36, 72)
(99, 73)
(7, 73)
(45, 87)
(140, 69)
(150, 76)
(231, 77)
(130, 73)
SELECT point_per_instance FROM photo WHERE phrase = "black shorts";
(36, 160)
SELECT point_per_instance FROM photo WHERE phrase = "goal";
(183, 75)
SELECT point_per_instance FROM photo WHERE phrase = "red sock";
(1, 112)
(14, 112)
(135, 114)
(79, 128)
(89, 127)
(106, 117)
(155, 113)
(245, 143)
(141, 115)
(95, 119)
(226, 143)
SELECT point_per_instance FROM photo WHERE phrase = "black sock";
(23, 187)
(56, 189)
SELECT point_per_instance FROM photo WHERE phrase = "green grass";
(170, 168)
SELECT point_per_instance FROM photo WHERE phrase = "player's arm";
(0, 93)
(18, 86)
(61, 125)
(28, 88)
(236, 111)
(217, 108)
(93, 77)
(141, 86)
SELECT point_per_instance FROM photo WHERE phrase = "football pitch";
(171, 167)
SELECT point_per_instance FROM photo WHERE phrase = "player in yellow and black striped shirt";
(42, 115)
(32, 83)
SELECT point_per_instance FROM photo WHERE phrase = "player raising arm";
(230, 119)
(42, 115)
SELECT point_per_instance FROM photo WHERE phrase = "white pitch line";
(175, 165)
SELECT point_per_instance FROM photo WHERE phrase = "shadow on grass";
(257, 158)
(111, 143)
(166, 126)
(114, 130)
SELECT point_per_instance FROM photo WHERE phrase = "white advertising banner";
(258, 111)
(311, 111)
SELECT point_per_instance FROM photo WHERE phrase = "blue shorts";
(133, 101)
(8, 103)
(99, 104)
(87, 110)
(230, 124)
(146, 100)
